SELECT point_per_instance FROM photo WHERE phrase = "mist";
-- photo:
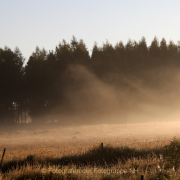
(150, 96)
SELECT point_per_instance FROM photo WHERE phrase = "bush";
(31, 159)
(172, 154)
(162, 175)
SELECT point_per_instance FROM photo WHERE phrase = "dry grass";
(51, 146)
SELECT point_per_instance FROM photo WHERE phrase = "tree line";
(38, 87)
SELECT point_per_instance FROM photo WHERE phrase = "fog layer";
(151, 95)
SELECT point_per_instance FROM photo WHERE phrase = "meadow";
(75, 152)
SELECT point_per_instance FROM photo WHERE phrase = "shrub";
(173, 153)
(162, 175)
(31, 159)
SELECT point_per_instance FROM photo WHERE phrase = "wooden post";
(101, 146)
(2, 157)
(142, 177)
(102, 152)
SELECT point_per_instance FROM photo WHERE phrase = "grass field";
(74, 152)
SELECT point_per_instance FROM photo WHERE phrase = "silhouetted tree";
(120, 56)
(80, 53)
(154, 49)
(172, 50)
(163, 48)
(63, 55)
(97, 59)
(142, 49)
(11, 74)
(36, 82)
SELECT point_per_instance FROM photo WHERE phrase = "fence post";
(101, 146)
(2, 158)
(142, 177)
(102, 152)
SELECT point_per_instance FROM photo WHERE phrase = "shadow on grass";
(106, 156)
(98, 156)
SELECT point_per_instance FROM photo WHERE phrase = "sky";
(45, 23)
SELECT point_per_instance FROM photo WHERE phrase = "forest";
(60, 81)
